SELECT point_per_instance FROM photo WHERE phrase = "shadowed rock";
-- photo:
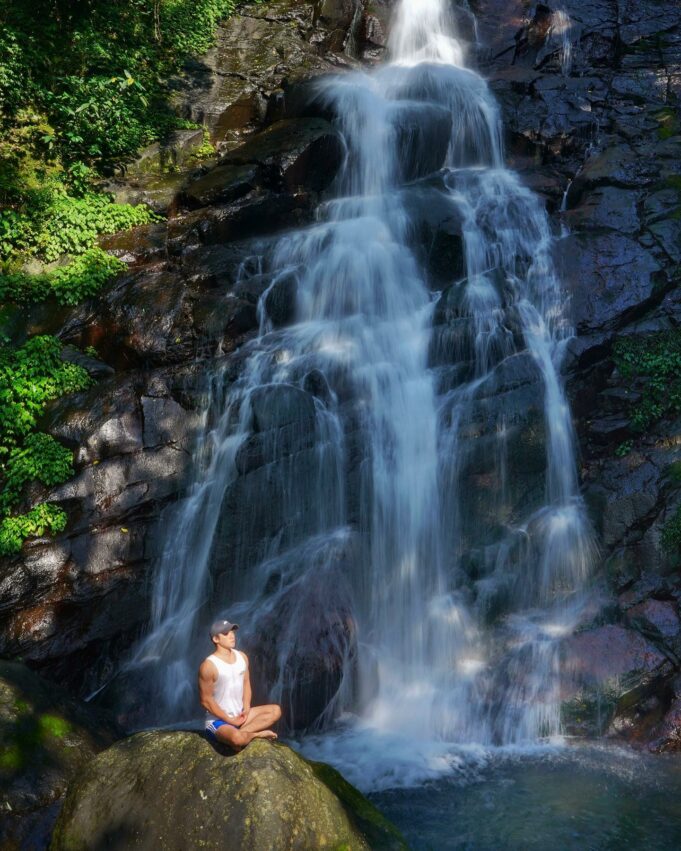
(45, 738)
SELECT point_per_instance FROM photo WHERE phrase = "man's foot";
(265, 734)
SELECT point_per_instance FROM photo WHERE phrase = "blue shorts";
(212, 727)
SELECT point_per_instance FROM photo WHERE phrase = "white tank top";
(229, 686)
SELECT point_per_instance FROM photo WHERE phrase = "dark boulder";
(45, 738)
(422, 133)
(256, 50)
(290, 155)
(615, 670)
(277, 405)
(280, 301)
(223, 183)
(303, 152)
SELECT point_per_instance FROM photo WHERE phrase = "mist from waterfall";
(365, 414)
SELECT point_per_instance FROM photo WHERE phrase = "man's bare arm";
(247, 687)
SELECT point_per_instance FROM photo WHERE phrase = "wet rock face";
(72, 606)
(618, 685)
(262, 53)
(589, 95)
(175, 790)
(292, 153)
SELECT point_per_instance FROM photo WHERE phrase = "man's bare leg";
(261, 718)
(237, 738)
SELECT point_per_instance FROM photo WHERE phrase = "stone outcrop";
(256, 73)
(176, 791)
(45, 738)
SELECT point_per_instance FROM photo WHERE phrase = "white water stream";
(354, 428)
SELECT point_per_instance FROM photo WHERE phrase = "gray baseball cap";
(221, 626)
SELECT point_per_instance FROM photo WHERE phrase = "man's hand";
(237, 720)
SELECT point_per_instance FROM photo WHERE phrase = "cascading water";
(371, 578)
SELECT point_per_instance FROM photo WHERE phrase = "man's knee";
(228, 736)
(275, 709)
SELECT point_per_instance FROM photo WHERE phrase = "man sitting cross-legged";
(225, 693)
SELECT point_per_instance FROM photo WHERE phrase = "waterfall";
(357, 505)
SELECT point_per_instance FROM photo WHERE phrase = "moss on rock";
(174, 790)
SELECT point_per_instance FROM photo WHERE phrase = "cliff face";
(589, 94)
(72, 606)
(590, 100)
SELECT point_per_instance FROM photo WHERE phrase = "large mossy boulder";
(175, 790)
(45, 738)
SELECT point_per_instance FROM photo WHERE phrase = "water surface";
(585, 798)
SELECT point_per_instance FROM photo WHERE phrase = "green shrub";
(51, 223)
(99, 118)
(42, 518)
(30, 377)
(624, 448)
(653, 364)
(188, 27)
(98, 70)
(70, 284)
(41, 458)
(13, 74)
(82, 87)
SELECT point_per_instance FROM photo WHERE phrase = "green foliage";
(70, 284)
(29, 378)
(97, 70)
(74, 223)
(653, 364)
(40, 458)
(13, 74)
(28, 737)
(83, 85)
(42, 518)
(188, 27)
(49, 222)
(99, 118)
(671, 532)
(206, 149)
(669, 124)
(53, 725)
(624, 448)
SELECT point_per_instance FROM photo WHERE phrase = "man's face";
(226, 640)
